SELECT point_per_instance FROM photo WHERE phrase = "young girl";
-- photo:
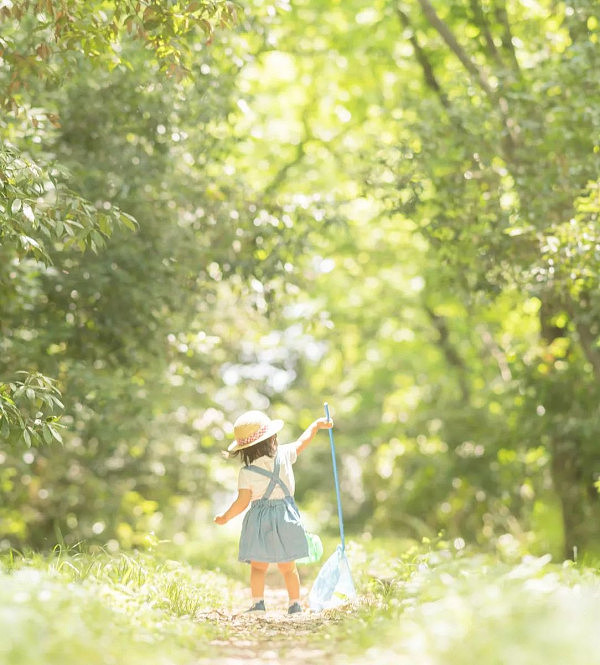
(272, 531)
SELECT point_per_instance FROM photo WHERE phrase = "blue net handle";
(335, 478)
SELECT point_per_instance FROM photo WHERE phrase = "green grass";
(441, 608)
(125, 609)
(417, 607)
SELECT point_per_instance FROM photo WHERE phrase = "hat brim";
(274, 427)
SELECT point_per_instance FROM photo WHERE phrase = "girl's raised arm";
(309, 434)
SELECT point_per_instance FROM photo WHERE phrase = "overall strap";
(274, 476)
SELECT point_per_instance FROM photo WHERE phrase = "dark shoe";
(295, 608)
(257, 608)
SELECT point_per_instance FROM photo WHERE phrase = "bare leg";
(291, 578)
(258, 571)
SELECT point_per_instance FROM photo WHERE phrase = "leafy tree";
(138, 331)
(473, 126)
(392, 207)
(62, 316)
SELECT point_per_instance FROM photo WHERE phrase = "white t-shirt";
(250, 480)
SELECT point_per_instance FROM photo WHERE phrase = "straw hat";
(251, 428)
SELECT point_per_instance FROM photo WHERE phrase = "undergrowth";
(121, 609)
(418, 605)
(446, 608)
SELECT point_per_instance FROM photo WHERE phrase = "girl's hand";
(220, 519)
(323, 423)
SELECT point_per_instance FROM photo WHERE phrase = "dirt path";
(274, 637)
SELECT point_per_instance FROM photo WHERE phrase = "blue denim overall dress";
(272, 530)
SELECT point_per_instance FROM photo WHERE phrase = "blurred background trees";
(391, 207)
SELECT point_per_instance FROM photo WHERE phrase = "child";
(272, 531)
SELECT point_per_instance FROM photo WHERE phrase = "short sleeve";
(244, 480)
(289, 452)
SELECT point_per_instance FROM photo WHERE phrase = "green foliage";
(135, 331)
(28, 411)
(392, 208)
(437, 601)
(126, 609)
(38, 209)
(453, 317)
(448, 607)
(40, 38)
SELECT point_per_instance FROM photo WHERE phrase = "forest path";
(274, 637)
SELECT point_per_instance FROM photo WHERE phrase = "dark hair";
(266, 447)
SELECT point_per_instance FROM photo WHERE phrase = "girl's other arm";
(237, 507)
(309, 433)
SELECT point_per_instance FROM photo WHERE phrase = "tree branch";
(481, 22)
(450, 353)
(448, 36)
(507, 38)
(283, 171)
(280, 176)
(498, 101)
(428, 73)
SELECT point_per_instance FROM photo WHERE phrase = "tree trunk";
(578, 497)
(566, 478)
(573, 481)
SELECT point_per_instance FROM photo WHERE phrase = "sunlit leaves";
(98, 30)
(571, 254)
(38, 211)
(445, 226)
(145, 153)
(491, 180)
(29, 410)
